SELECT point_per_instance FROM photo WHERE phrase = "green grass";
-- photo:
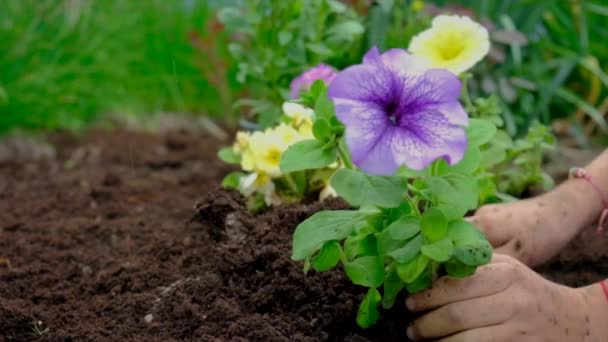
(66, 62)
(563, 68)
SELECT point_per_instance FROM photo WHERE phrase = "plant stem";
(345, 157)
(465, 92)
(342, 255)
(292, 184)
(413, 204)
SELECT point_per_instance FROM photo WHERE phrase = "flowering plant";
(391, 137)
(264, 180)
(409, 154)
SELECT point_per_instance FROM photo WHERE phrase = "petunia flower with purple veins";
(322, 72)
(398, 112)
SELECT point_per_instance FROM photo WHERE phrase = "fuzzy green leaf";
(434, 224)
(410, 271)
(408, 251)
(404, 228)
(361, 189)
(321, 129)
(471, 246)
(480, 132)
(324, 107)
(232, 180)
(368, 313)
(360, 245)
(454, 194)
(228, 155)
(468, 164)
(393, 236)
(366, 271)
(307, 155)
(474, 254)
(324, 226)
(328, 257)
(457, 269)
(392, 286)
(440, 251)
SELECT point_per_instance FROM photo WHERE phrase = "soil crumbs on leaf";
(126, 237)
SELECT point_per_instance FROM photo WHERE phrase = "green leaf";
(228, 155)
(474, 254)
(457, 269)
(421, 283)
(360, 245)
(319, 89)
(392, 286)
(285, 37)
(321, 129)
(454, 194)
(405, 172)
(480, 132)
(434, 224)
(463, 233)
(324, 107)
(324, 226)
(345, 31)
(366, 271)
(471, 246)
(408, 272)
(319, 49)
(408, 251)
(328, 257)
(307, 155)
(360, 189)
(440, 251)
(468, 164)
(393, 236)
(368, 313)
(404, 228)
(492, 156)
(232, 180)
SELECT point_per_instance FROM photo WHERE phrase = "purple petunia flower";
(322, 72)
(397, 112)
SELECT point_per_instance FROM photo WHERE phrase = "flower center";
(391, 111)
(452, 46)
(273, 156)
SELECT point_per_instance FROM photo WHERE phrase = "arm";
(506, 301)
(535, 229)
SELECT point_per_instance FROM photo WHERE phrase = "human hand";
(506, 301)
(532, 230)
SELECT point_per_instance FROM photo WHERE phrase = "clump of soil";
(126, 237)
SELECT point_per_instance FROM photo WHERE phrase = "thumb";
(496, 232)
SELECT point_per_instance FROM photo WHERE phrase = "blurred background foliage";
(66, 63)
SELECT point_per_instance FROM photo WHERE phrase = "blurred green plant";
(274, 41)
(64, 62)
(549, 62)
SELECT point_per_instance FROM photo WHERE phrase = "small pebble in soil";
(148, 318)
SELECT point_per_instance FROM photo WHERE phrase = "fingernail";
(411, 333)
(410, 302)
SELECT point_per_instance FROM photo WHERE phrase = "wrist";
(577, 203)
(595, 304)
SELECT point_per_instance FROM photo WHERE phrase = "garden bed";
(127, 236)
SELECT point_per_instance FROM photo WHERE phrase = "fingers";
(493, 221)
(456, 317)
(490, 279)
(494, 333)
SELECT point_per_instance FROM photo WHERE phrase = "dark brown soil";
(102, 241)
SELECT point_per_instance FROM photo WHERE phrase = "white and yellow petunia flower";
(298, 114)
(259, 183)
(453, 42)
